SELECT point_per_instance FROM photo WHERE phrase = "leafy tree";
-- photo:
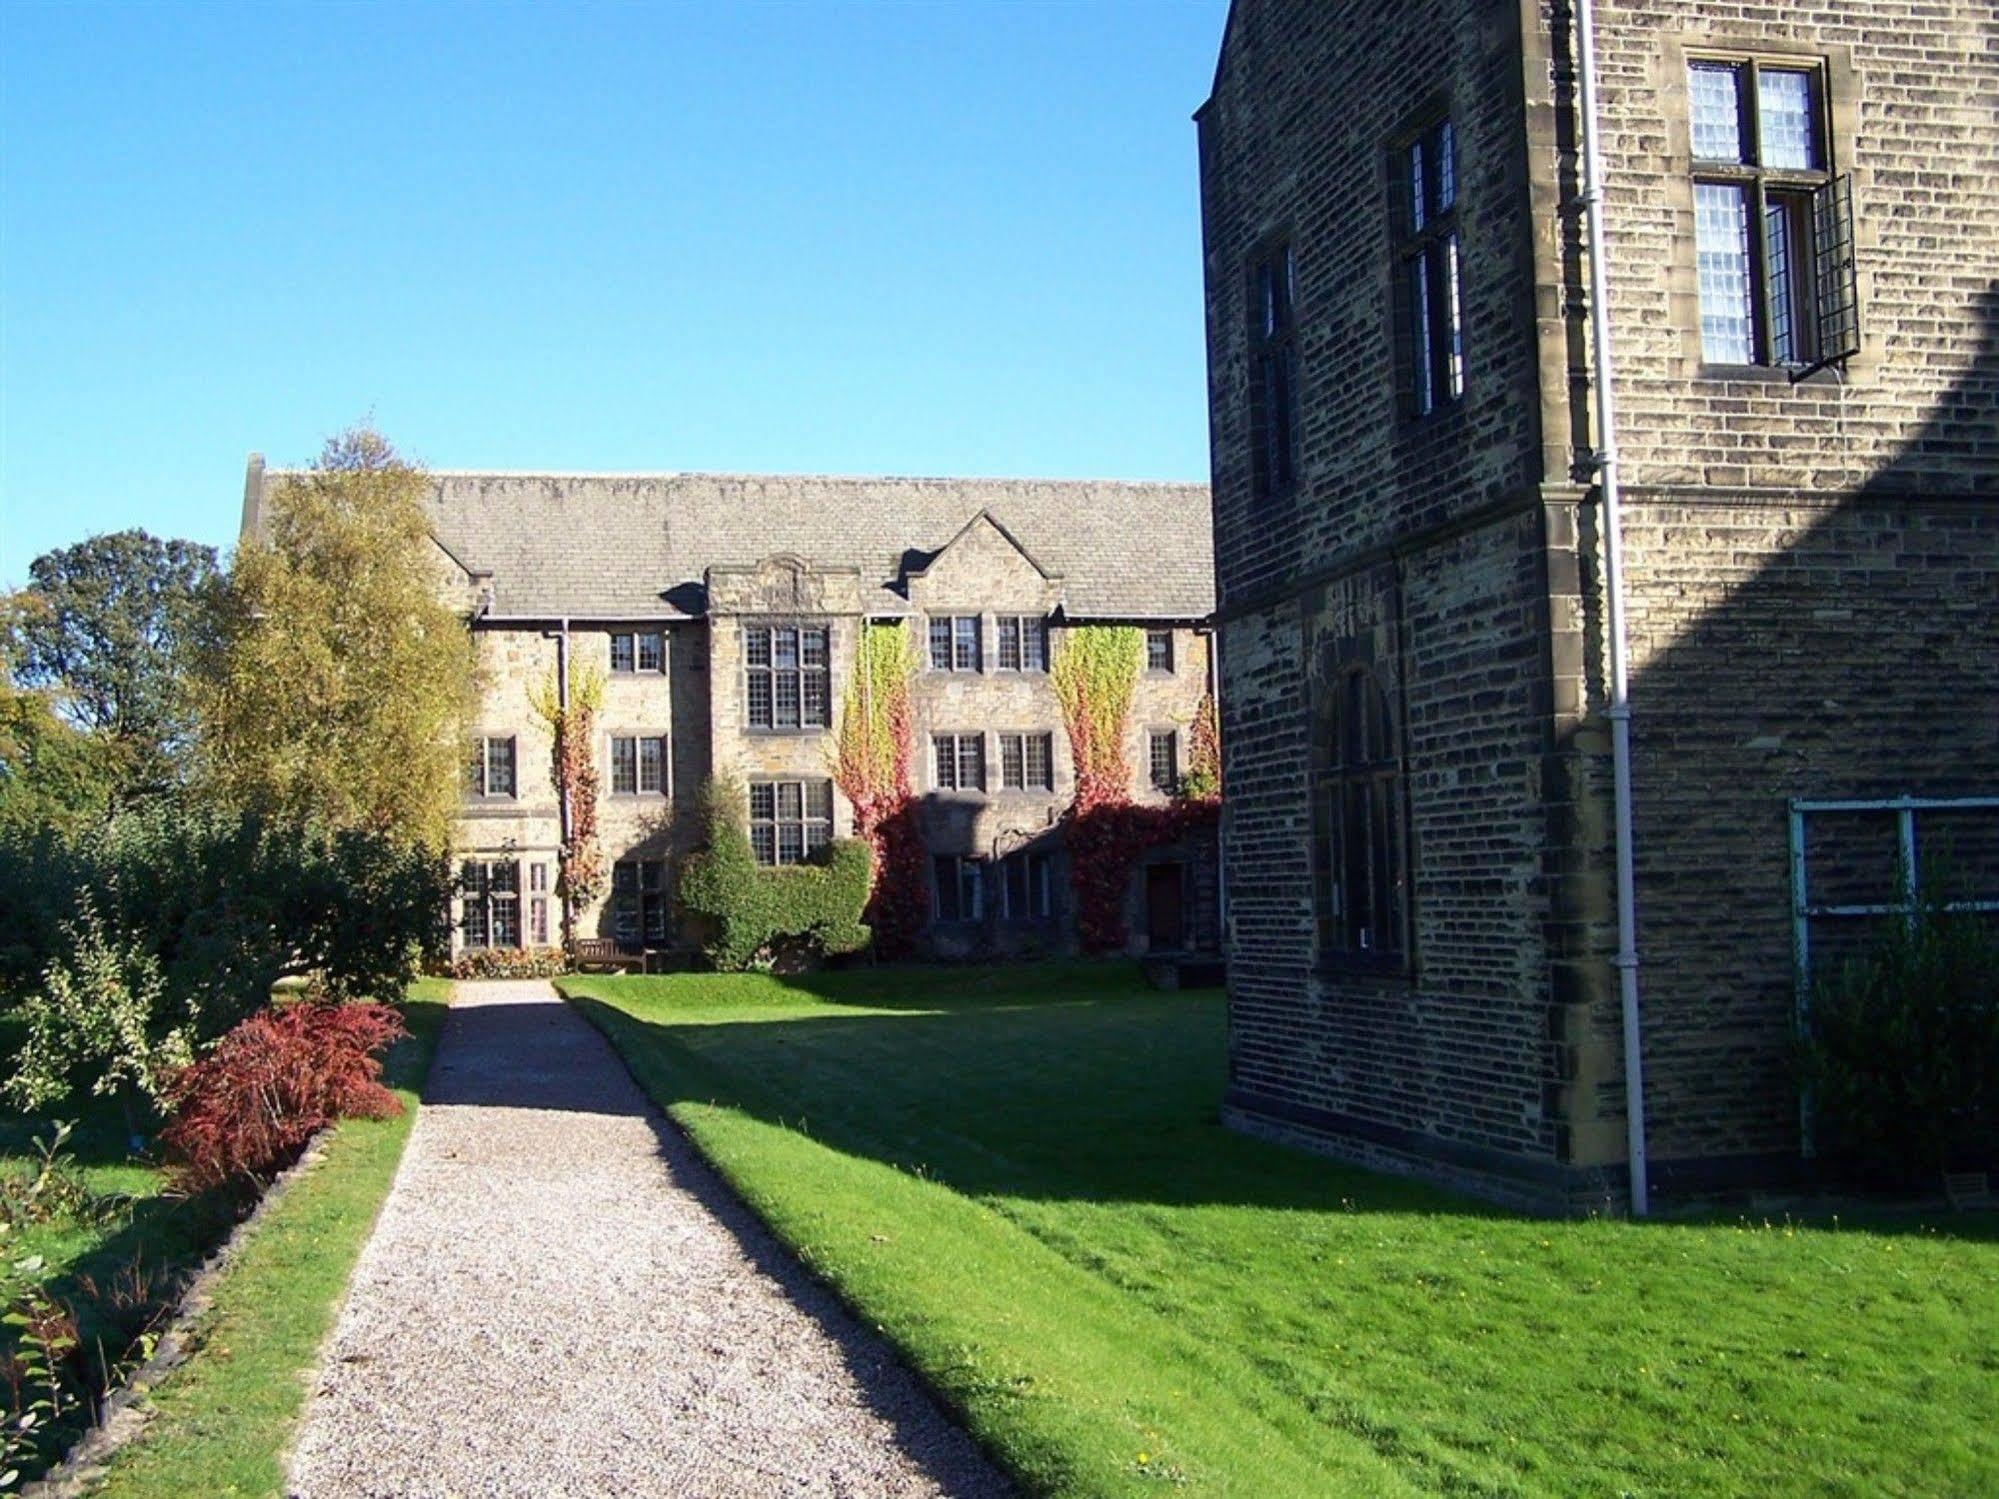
(105, 626)
(52, 774)
(337, 681)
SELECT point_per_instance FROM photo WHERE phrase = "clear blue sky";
(835, 237)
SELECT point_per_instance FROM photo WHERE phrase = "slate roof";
(638, 545)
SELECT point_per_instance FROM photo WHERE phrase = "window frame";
(801, 674)
(809, 823)
(957, 636)
(1019, 628)
(1433, 371)
(482, 768)
(536, 931)
(1155, 635)
(1026, 861)
(1377, 777)
(482, 895)
(638, 739)
(1171, 738)
(636, 636)
(1796, 188)
(966, 888)
(1270, 326)
(959, 740)
(1019, 739)
(645, 895)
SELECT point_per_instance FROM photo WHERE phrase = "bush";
(508, 963)
(1901, 1055)
(244, 1111)
(100, 1019)
(225, 905)
(748, 910)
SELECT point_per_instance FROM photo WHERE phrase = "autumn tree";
(336, 681)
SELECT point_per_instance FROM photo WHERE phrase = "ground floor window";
(538, 905)
(1357, 828)
(790, 820)
(1028, 886)
(638, 901)
(489, 893)
(960, 888)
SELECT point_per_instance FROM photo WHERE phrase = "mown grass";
(222, 1422)
(1018, 1175)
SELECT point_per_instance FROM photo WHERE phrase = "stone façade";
(701, 558)
(1812, 570)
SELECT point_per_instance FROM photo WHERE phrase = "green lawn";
(1017, 1174)
(223, 1420)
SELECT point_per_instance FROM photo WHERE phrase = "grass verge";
(222, 1421)
(1018, 1176)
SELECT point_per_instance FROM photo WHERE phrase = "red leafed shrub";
(245, 1110)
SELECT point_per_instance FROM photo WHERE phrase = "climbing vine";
(1203, 780)
(579, 862)
(1095, 674)
(875, 744)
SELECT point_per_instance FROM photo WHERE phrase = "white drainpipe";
(1619, 711)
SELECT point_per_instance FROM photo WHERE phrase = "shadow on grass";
(1060, 1082)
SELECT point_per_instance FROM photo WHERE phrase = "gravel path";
(560, 1298)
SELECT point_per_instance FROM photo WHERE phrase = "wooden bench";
(608, 953)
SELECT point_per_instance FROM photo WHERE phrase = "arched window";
(1357, 834)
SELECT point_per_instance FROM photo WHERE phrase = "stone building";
(723, 615)
(1800, 218)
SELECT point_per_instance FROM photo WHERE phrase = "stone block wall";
(1812, 568)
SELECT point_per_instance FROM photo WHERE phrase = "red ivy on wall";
(1106, 832)
(876, 743)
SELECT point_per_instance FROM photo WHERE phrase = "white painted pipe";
(1619, 711)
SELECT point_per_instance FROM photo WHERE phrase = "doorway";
(1165, 907)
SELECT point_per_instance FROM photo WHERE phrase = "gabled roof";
(638, 545)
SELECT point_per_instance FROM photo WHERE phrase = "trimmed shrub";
(1901, 1055)
(749, 910)
(243, 1112)
(509, 963)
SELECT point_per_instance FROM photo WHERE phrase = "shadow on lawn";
(1047, 1091)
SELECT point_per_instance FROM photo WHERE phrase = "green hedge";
(748, 909)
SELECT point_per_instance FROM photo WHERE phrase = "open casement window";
(489, 903)
(1273, 372)
(1426, 252)
(790, 820)
(638, 901)
(1359, 856)
(786, 684)
(1773, 227)
(491, 772)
